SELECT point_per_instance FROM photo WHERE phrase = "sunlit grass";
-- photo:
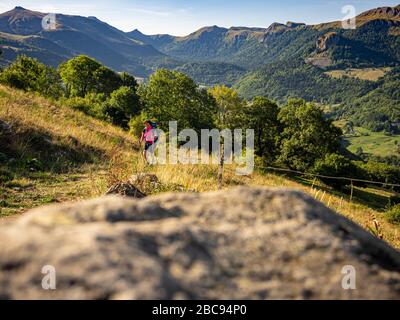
(118, 157)
(371, 74)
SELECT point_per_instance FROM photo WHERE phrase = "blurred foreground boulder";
(246, 243)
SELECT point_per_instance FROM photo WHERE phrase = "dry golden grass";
(371, 74)
(35, 112)
(360, 21)
(120, 158)
(200, 179)
(68, 128)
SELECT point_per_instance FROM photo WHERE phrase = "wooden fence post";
(351, 197)
(221, 166)
(352, 190)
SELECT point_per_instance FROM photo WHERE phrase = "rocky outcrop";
(246, 243)
(125, 189)
(321, 60)
(145, 181)
(136, 186)
(327, 41)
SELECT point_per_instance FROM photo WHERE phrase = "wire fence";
(223, 167)
(352, 180)
(338, 204)
(315, 175)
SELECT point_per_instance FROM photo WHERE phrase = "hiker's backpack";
(154, 125)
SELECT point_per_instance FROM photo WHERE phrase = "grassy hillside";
(372, 104)
(375, 143)
(212, 73)
(294, 78)
(50, 153)
(377, 110)
(369, 74)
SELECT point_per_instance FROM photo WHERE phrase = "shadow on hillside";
(24, 150)
(372, 200)
(378, 202)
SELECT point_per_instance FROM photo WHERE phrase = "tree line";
(296, 135)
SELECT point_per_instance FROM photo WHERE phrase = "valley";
(374, 143)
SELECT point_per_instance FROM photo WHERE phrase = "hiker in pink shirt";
(148, 136)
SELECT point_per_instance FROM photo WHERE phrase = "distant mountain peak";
(292, 24)
(205, 31)
(210, 29)
(279, 27)
(136, 32)
(21, 21)
(276, 27)
(19, 12)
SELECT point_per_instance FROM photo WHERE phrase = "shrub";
(122, 106)
(5, 175)
(382, 172)
(393, 214)
(136, 125)
(78, 74)
(32, 164)
(173, 96)
(336, 165)
(307, 135)
(82, 75)
(30, 75)
(262, 116)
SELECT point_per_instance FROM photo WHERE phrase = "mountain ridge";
(294, 54)
(392, 13)
(251, 48)
(135, 52)
(76, 35)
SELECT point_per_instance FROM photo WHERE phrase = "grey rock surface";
(244, 243)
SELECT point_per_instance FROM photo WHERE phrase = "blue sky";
(181, 17)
